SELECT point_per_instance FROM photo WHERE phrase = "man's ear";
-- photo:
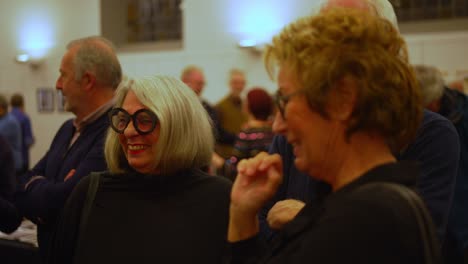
(88, 80)
(342, 100)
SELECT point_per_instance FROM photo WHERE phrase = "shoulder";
(216, 184)
(99, 125)
(102, 178)
(223, 102)
(433, 121)
(436, 137)
(68, 124)
(374, 204)
(10, 118)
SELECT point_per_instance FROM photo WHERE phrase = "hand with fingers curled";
(283, 212)
(257, 180)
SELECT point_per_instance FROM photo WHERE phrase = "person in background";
(230, 112)
(165, 209)
(10, 129)
(9, 216)
(27, 139)
(346, 109)
(436, 148)
(256, 135)
(89, 74)
(194, 78)
(453, 105)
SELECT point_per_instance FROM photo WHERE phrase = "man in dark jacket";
(9, 217)
(89, 74)
(453, 105)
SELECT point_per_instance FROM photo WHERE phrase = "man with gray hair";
(89, 74)
(436, 148)
(453, 105)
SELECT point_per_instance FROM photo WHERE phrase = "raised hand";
(257, 180)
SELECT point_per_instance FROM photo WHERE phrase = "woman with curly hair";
(349, 100)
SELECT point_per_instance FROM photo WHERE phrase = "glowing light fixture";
(35, 37)
(254, 23)
(247, 43)
(22, 58)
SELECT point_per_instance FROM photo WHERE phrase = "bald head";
(357, 4)
(194, 78)
(382, 8)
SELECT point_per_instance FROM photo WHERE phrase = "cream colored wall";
(447, 51)
(66, 19)
(212, 28)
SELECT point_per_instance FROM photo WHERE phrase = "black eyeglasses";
(144, 120)
(282, 100)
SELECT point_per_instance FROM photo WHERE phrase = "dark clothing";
(436, 148)
(250, 142)
(454, 106)
(27, 138)
(352, 225)
(10, 129)
(9, 216)
(253, 141)
(44, 198)
(137, 218)
(222, 136)
(231, 118)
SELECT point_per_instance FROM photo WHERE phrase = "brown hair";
(354, 44)
(17, 100)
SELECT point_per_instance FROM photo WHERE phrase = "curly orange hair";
(349, 43)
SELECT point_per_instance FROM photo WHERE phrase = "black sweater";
(351, 226)
(135, 218)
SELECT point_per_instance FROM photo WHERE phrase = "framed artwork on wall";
(45, 99)
(143, 24)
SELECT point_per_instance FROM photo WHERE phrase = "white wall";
(212, 29)
(24, 23)
(447, 51)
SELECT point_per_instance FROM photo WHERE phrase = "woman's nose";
(279, 124)
(130, 130)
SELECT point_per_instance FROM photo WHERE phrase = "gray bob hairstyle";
(186, 138)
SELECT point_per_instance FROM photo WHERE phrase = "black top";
(138, 218)
(350, 226)
(9, 216)
(222, 136)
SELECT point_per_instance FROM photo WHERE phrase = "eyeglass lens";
(144, 120)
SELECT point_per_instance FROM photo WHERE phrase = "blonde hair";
(321, 50)
(186, 139)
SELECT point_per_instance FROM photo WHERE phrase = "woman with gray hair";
(154, 204)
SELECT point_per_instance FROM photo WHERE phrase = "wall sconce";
(25, 58)
(251, 45)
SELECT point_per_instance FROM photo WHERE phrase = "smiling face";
(312, 136)
(140, 150)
